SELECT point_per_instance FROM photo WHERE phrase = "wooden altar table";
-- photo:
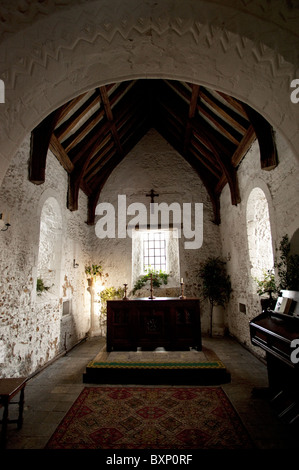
(167, 322)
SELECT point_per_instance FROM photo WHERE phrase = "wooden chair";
(8, 389)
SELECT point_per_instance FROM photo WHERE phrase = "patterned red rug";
(151, 418)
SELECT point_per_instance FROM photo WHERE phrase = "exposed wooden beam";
(203, 150)
(227, 114)
(229, 171)
(204, 162)
(244, 146)
(216, 121)
(71, 141)
(109, 114)
(99, 183)
(39, 144)
(265, 136)
(205, 176)
(205, 134)
(75, 178)
(191, 113)
(67, 108)
(82, 148)
(64, 128)
(248, 139)
(234, 103)
(61, 155)
(101, 158)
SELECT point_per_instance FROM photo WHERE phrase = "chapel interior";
(107, 107)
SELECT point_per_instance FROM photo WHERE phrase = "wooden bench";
(8, 389)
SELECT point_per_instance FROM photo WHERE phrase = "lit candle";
(182, 281)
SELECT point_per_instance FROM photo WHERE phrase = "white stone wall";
(53, 51)
(281, 190)
(32, 329)
(154, 164)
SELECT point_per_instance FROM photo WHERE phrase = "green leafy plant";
(214, 283)
(266, 285)
(159, 278)
(110, 293)
(94, 270)
(287, 266)
(40, 286)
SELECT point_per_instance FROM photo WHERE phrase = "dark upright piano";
(274, 331)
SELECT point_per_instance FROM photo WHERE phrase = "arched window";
(49, 254)
(259, 234)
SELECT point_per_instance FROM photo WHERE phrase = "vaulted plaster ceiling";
(91, 134)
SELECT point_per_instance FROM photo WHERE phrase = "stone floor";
(50, 394)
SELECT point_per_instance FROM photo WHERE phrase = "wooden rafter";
(191, 114)
(109, 114)
(244, 146)
(61, 155)
(65, 127)
(39, 144)
(91, 134)
(265, 137)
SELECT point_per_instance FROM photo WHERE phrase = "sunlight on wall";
(259, 234)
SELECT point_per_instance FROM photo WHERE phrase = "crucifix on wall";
(152, 195)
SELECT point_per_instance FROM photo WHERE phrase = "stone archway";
(54, 53)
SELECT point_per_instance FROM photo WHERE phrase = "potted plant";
(159, 277)
(92, 272)
(287, 267)
(215, 284)
(267, 286)
(40, 286)
(109, 293)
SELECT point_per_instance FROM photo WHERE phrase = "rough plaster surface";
(280, 187)
(32, 329)
(154, 164)
(51, 52)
